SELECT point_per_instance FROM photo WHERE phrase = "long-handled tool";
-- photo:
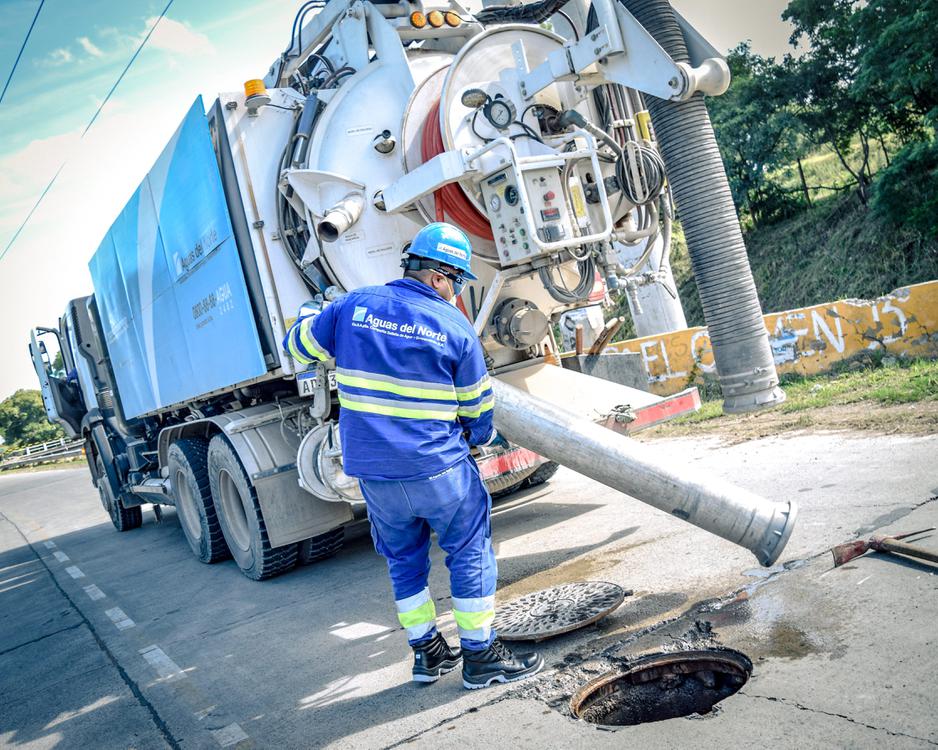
(605, 336)
(844, 553)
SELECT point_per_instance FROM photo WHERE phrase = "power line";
(20, 53)
(94, 117)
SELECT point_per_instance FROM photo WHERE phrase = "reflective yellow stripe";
(478, 410)
(396, 411)
(473, 620)
(426, 612)
(400, 390)
(470, 395)
(470, 392)
(310, 343)
(296, 353)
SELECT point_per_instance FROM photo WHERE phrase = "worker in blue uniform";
(414, 394)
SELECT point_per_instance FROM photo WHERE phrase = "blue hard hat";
(445, 244)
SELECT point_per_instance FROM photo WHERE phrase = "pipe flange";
(777, 534)
(519, 324)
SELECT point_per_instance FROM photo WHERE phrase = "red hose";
(450, 200)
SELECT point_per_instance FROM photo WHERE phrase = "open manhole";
(662, 686)
(554, 611)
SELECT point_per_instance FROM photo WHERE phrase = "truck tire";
(124, 519)
(188, 474)
(542, 474)
(321, 547)
(505, 485)
(240, 518)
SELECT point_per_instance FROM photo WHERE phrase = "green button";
(525, 245)
(522, 232)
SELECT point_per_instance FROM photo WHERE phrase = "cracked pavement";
(842, 657)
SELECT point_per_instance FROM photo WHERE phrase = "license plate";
(307, 383)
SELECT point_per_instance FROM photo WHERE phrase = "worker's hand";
(496, 441)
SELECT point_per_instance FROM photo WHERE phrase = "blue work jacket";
(413, 387)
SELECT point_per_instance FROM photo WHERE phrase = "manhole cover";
(662, 686)
(557, 610)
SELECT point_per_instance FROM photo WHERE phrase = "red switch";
(549, 195)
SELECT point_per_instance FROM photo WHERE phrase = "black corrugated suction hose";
(705, 204)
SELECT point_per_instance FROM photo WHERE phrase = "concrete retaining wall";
(808, 340)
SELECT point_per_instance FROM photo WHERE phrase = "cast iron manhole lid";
(557, 610)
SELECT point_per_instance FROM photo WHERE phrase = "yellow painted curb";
(808, 341)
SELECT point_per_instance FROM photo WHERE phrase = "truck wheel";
(124, 519)
(188, 474)
(322, 546)
(542, 474)
(239, 515)
(505, 485)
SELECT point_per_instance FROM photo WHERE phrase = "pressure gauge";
(495, 203)
(500, 113)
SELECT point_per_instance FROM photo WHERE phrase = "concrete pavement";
(130, 642)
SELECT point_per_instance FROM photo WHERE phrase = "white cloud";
(89, 47)
(60, 56)
(178, 38)
(25, 172)
(48, 264)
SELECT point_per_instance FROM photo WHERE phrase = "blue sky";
(75, 55)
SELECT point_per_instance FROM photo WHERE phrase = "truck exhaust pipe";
(739, 516)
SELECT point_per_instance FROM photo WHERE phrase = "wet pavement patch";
(662, 686)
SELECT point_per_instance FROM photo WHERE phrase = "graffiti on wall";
(807, 341)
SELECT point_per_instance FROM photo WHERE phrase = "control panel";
(521, 203)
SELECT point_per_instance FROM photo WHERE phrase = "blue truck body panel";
(168, 281)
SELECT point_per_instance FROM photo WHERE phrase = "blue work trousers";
(456, 505)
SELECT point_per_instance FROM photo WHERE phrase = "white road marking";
(50, 544)
(164, 666)
(94, 593)
(376, 653)
(338, 625)
(825, 573)
(359, 630)
(230, 735)
(864, 580)
(119, 618)
(382, 637)
(60, 556)
(74, 571)
(204, 712)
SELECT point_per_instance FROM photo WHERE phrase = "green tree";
(906, 192)
(898, 61)
(824, 82)
(23, 420)
(757, 132)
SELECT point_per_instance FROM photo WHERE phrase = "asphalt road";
(125, 640)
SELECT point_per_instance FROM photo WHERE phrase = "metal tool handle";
(902, 548)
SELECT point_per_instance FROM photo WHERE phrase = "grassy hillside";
(835, 250)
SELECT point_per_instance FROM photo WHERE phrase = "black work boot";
(497, 664)
(434, 658)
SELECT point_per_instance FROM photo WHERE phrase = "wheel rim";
(185, 504)
(105, 500)
(233, 509)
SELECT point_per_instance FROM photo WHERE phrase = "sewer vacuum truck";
(556, 134)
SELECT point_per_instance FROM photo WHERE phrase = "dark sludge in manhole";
(662, 686)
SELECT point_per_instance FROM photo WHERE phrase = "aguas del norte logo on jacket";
(362, 318)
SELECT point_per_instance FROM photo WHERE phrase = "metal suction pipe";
(739, 516)
(340, 217)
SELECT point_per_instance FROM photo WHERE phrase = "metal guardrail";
(51, 450)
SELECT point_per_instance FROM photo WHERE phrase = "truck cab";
(53, 358)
